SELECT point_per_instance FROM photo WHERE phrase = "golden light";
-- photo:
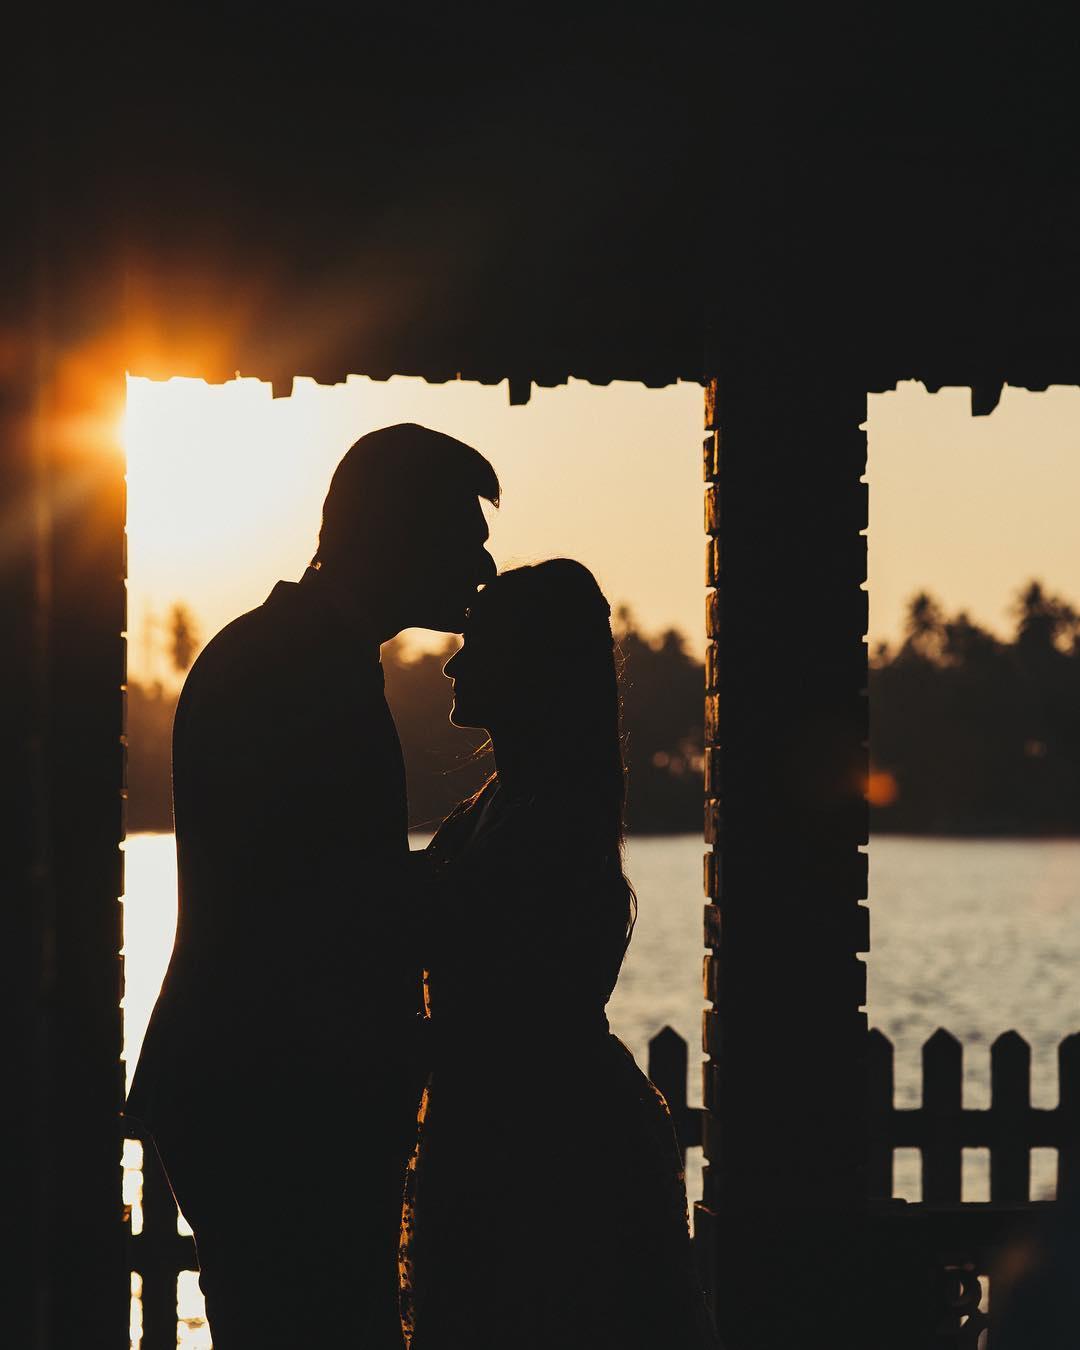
(223, 498)
(84, 400)
(882, 789)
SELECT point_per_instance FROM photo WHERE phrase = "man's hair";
(391, 476)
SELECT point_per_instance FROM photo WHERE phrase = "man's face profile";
(450, 562)
(403, 528)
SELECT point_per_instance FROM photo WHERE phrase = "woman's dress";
(546, 1205)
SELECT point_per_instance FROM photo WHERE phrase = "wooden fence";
(961, 1240)
(941, 1128)
(937, 1256)
(964, 1244)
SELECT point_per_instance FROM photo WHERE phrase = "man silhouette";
(280, 1073)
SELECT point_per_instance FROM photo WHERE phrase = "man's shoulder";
(274, 623)
(260, 647)
(274, 654)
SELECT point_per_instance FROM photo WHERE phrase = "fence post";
(1069, 1116)
(667, 1069)
(1010, 1102)
(879, 1106)
(943, 1059)
(157, 1244)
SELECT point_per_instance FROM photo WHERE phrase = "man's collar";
(315, 595)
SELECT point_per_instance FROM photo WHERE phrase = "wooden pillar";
(786, 757)
(62, 600)
(84, 480)
(23, 874)
(64, 606)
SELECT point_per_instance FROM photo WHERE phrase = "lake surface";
(978, 936)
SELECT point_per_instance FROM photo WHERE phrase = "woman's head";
(538, 651)
(537, 670)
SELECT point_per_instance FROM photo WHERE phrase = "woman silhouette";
(546, 1205)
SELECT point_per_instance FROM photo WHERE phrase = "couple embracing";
(382, 1083)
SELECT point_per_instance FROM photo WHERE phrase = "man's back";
(288, 1014)
(289, 801)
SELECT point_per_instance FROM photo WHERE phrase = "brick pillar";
(84, 479)
(23, 876)
(786, 735)
(72, 608)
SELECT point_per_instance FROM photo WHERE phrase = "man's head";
(403, 517)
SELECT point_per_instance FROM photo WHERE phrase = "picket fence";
(967, 1237)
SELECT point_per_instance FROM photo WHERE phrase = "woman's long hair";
(557, 613)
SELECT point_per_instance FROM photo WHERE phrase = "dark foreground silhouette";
(546, 1203)
(281, 1071)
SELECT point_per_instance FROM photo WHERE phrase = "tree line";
(971, 733)
(662, 699)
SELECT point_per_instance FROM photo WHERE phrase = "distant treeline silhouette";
(972, 734)
(662, 718)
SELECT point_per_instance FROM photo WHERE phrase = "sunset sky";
(225, 485)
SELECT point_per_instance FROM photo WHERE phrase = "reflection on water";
(978, 936)
(149, 930)
(660, 982)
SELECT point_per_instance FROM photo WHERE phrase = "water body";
(660, 982)
(978, 936)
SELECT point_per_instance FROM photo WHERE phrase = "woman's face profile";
(484, 682)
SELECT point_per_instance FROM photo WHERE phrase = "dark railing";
(946, 1245)
(962, 1241)
(942, 1127)
(966, 1243)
